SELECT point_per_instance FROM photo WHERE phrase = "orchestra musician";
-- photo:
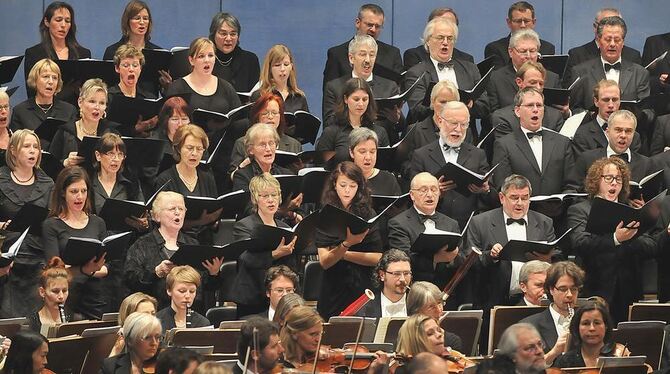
(393, 274)
(143, 337)
(523, 345)
(301, 335)
(27, 354)
(426, 299)
(259, 341)
(532, 277)
(181, 284)
(54, 287)
(136, 302)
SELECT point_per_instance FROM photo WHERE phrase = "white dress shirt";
(613, 74)
(449, 156)
(391, 309)
(446, 74)
(535, 145)
(515, 231)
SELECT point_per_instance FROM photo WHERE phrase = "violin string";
(316, 355)
(358, 339)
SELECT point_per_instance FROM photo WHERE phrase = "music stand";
(503, 317)
(67, 354)
(224, 341)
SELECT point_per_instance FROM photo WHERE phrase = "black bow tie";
(424, 217)
(604, 126)
(623, 156)
(520, 221)
(609, 67)
(448, 64)
(530, 135)
(447, 148)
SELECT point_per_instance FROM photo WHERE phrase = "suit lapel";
(464, 80)
(547, 149)
(533, 229)
(625, 75)
(597, 71)
(597, 134)
(524, 147)
(464, 154)
(498, 229)
(511, 78)
(435, 154)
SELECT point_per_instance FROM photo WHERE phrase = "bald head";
(427, 363)
(425, 192)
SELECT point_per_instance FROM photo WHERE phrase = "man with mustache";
(522, 344)
(393, 274)
(363, 51)
(259, 338)
(370, 21)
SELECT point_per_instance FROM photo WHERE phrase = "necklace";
(224, 63)
(45, 108)
(25, 181)
(83, 129)
(190, 185)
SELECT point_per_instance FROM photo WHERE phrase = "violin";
(456, 361)
(338, 360)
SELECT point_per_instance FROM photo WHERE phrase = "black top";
(66, 141)
(119, 364)
(574, 359)
(12, 197)
(286, 143)
(292, 103)
(39, 51)
(345, 281)
(384, 183)
(243, 176)
(149, 85)
(28, 115)
(141, 261)
(124, 189)
(86, 297)
(166, 316)
(35, 323)
(336, 138)
(241, 68)
(111, 50)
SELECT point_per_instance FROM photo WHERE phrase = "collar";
(554, 314)
(600, 120)
(526, 131)
(420, 212)
(505, 217)
(353, 75)
(386, 302)
(527, 302)
(442, 143)
(610, 152)
(240, 364)
(41, 186)
(435, 62)
(271, 313)
(603, 62)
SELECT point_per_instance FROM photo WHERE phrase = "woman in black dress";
(23, 182)
(70, 216)
(363, 151)
(233, 64)
(347, 260)
(356, 108)
(45, 79)
(92, 105)
(248, 290)
(190, 142)
(279, 76)
(58, 42)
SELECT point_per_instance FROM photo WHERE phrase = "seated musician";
(259, 340)
(427, 363)
(54, 285)
(136, 302)
(286, 304)
(393, 274)
(279, 281)
(177, 360)
(590, 337)
(301, 335)
(425, 298)
(182, 284)
(531, 281)
(564, 280)
(142, 333)
(522, 344)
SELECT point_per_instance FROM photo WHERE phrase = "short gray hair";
(612, 21)
(420, 294)
(517, 181)
(138, 326)
(509, 341)
(430, 26)
(518, 97)
(220, 18)
(622, 114)
(361, 134)
(532, 267)
(444, 85)
(524, 34)
(605, 10)
(455, 105)
(161, 201)
(255, 131)
(362, 40)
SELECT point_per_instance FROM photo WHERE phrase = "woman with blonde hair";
(426, 299)
(136, 302)
(143, 337)
(278, 75)
(301, 334)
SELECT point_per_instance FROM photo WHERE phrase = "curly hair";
(593, 176)
(361, 204)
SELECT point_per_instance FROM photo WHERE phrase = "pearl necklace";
(83, 129)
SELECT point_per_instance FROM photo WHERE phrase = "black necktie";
(442, 65)
(609, 67)
(424, 217)
(604, 126)
(520, 221)
(532, 134)
(623, 156)
(447, 148)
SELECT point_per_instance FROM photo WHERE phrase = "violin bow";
(246, 356)
(358, 339)
(255, 339)
(316, 355)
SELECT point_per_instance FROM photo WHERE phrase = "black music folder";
(555, 63)
(382, 202)
(232, 203)
(8, 67)
(559, 96)
(29, 216)
(605, 215)
(485, 65)
(116, 212)
(335, 221)
(475, 92)
(7, 257)
(303, 126)
(388, 73)
(48, 128)
(271, 236)
(84, 69)
(206, 118)
(463, 176)
(174, 61)
(128, 110)
(430, 242)
(398, 99)
(79, 251)
(194, 255)
(519, 250)
(310, 182)
(647, 187)
(310, 157)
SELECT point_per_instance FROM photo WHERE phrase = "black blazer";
(373, 309)
(545, 326)
(454, 204)
(590, 50)
(244, 68)
(661, 137)
(119, 364)
(589, 135)
(506, 120)
(502, 86)
(640, 166)
(633, 81)
(333, 92)
(467, 75)
(498, 49)
(39, 51)
(654, 46)
(515, 156)
(418, 54)
(337, 61)
(111, 50)
(27, 115)
(661, 237)
(166, 316)
(487, 229)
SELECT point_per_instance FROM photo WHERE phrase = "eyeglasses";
(192, 149)
(266, 196)
(115, 155)
(565, 289)
(126, 65)
(423, 191)
(398, 274)
(4, 107)
(529, 52)
(224, 34)
(464, 125)
(530, 348)
(523, 199)
(533, 106)
(270, 113)
(271, 145)
(283, 291)
(157, 338)
(441, 38)
(371, 25)
(611, 178)
(522, 21)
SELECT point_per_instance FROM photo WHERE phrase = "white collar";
(526, 131)
(610, 152)
(353, 75)
(603, 62)
(505, 217)
(420, 212)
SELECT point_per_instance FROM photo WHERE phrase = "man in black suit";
(530, 74)
(418, 54)
(458, 202)
(440, 36)
(370, 20)
(654, 46)
(531, 281)
(620, 131)
(543, 156)
(523, 46)
(520, 15)
(279, 280)
(362, 55)
(259, 340)
(564, 279)
(591, 135)
(590, 50)
(632, 78)
(393, 274)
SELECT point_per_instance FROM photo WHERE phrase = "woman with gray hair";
(233, 64)
(142, 333)
(425, 298)
(363, 144)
